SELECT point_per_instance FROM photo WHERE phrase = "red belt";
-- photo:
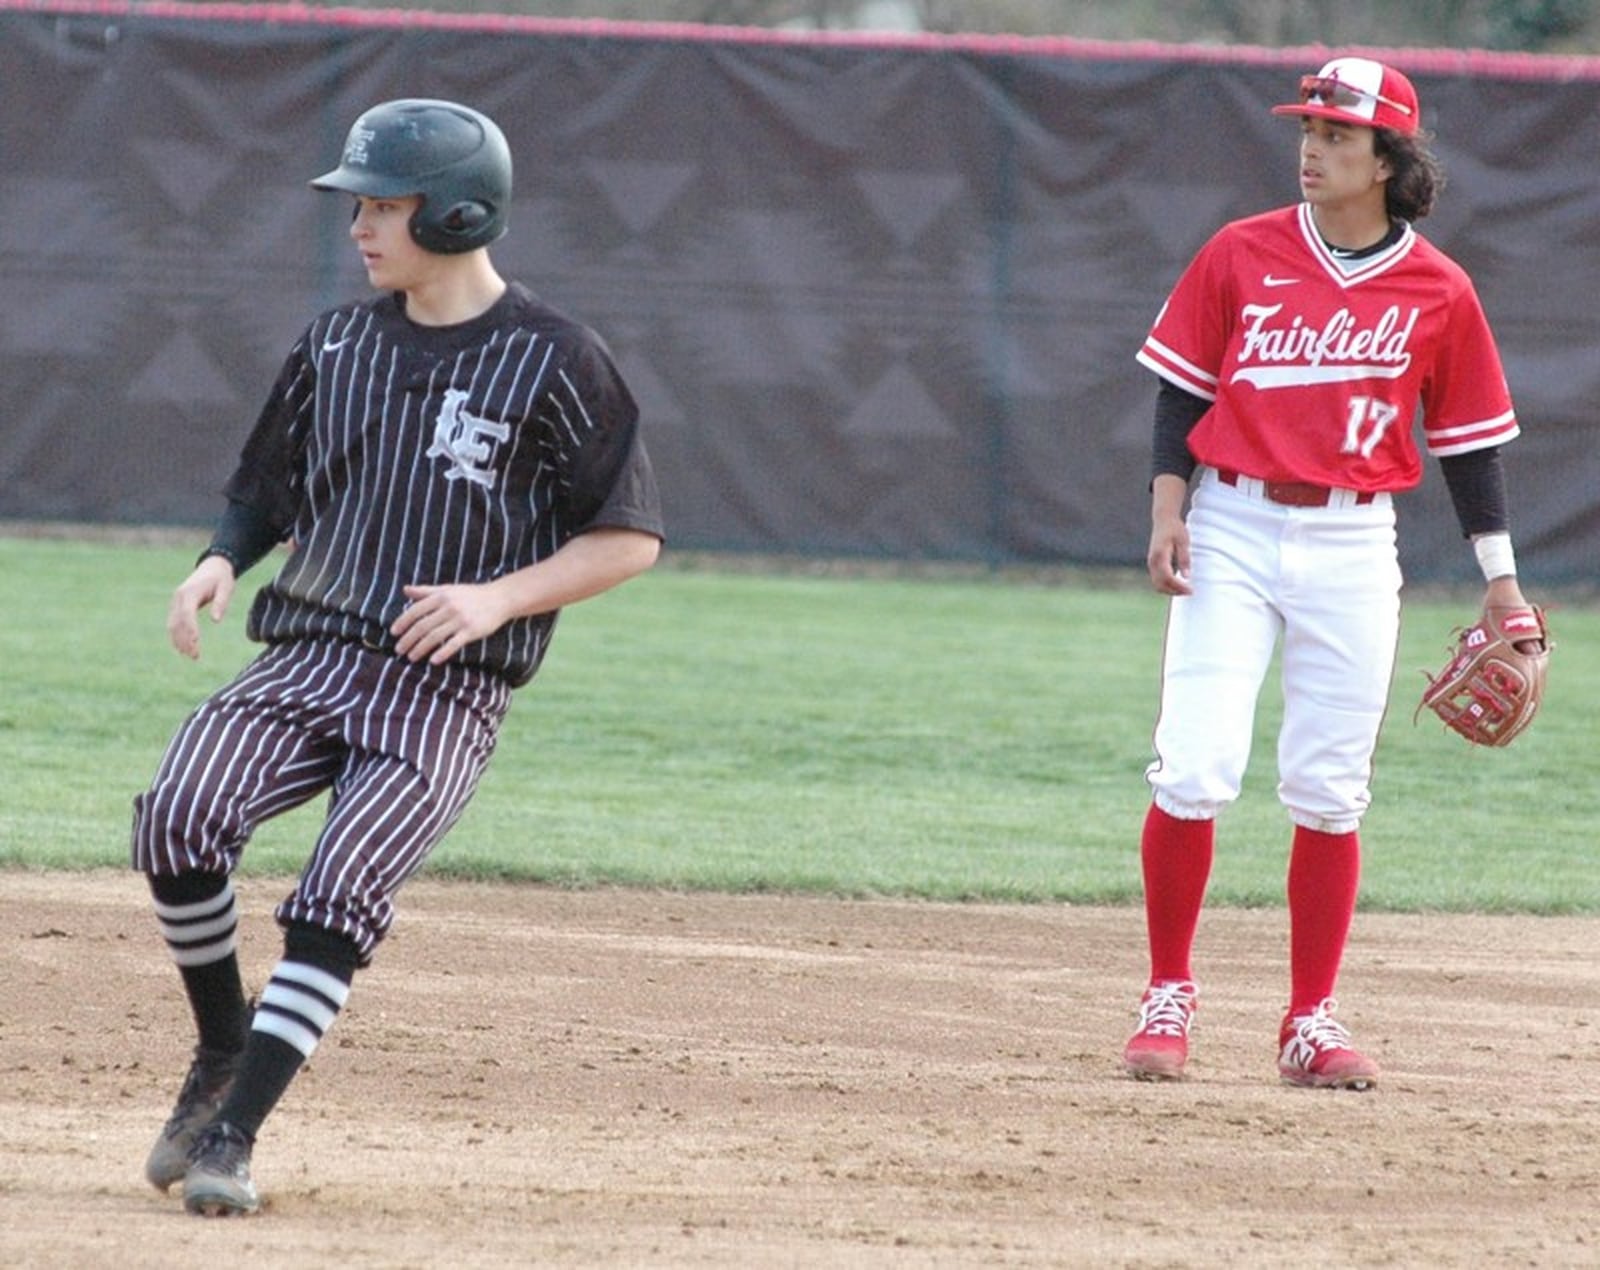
(1294, 493)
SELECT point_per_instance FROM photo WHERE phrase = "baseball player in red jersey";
(1294, 353)
(451, 463)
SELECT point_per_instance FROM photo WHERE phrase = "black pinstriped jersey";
(391, 454)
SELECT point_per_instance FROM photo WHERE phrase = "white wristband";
(1495, 556)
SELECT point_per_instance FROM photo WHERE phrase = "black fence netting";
(875, 297)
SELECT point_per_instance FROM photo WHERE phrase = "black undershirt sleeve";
(1177, 412)
(1477, 484)
(242, 537)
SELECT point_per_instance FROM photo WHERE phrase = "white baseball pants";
(1326, 582)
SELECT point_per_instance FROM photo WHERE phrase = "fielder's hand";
(1168, 556)
(211, 583)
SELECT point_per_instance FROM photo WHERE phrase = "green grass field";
(943, 736)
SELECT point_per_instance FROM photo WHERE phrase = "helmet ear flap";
(465, 217)
(455, 229)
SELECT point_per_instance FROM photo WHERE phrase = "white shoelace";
(1167, 1008)
(1320, 1029)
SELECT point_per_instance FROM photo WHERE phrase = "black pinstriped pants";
(400, 748)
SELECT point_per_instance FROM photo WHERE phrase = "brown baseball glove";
(1494, 682)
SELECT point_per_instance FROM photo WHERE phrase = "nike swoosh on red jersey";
(1270, 281)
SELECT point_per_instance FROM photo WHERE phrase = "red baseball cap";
(1357, 90)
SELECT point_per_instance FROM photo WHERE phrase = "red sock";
(1176, 855)
(1324, 874)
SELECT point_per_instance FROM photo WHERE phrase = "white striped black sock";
(202, 932)
(300, 1004)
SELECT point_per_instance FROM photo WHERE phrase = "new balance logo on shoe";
(1314, 1050)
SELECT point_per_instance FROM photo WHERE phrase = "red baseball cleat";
(1159, 1049)
(1314, 1050)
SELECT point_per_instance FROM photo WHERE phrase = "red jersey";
(1316, 367)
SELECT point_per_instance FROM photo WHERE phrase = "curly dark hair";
(1416, 175)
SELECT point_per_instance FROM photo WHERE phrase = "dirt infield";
(539, 1077)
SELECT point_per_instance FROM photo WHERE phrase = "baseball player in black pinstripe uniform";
(450, 463)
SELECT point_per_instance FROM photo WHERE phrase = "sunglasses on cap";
(1325, 90)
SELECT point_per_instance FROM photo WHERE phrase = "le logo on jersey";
(1292, 354)
(467, 440)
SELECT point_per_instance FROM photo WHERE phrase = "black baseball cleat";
(209, 1078)
(218, 1181)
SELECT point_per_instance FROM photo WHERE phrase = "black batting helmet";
(454, 157)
